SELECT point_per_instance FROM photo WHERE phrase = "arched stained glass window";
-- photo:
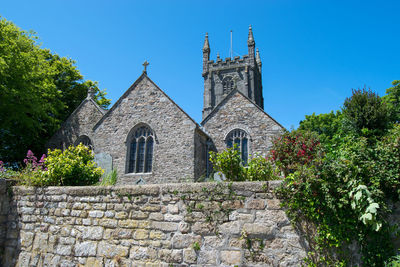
(84, 140)
(141, 150)
(238, 138)
(228, 84)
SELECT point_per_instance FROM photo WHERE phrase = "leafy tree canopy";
(366, 110)
(38, 90)
(392, 99)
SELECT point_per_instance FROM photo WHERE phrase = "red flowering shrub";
(296, 148)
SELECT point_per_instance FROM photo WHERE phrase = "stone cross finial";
(145, 64)
(90, 93)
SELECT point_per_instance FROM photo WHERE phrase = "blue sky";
(313, 52)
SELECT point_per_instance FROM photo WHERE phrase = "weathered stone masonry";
(203, 224)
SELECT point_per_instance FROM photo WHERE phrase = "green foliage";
(260, 169)
(328, 126)
(73, 166)
(392, 99)
(38, 90)
(196, 246)
(228, 162)
(343, 196)
(110, 179)
(294, 149)
(366, 110)
(393, 262)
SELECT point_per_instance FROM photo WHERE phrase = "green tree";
(392, 99)
(366, 112)
(327, 126)
(38, 90)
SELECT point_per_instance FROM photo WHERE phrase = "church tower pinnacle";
(239, 73)
(206, 54)
(251, 45)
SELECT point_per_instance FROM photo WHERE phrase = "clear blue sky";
(313, 52)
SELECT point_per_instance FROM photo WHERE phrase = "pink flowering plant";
(34, 172)
(296, 148)
(73, 166)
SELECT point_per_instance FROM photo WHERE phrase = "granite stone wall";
(193, 224)
(238, 112)
(4, 210)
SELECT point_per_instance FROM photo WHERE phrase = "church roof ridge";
(138, 80)
(232, 93)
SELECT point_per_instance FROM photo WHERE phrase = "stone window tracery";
(140, 156)
(239, 138)
(228, 84)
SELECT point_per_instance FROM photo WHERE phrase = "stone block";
(230, 227)
(213, 242)
(121, 215)
(64, 250)
(91, 233)
(156, 235)
(189, 256)
(256, 204)
(109, 223)
(85, 249)
(109, 250)
(273, 204)
(207, 257)
(257, 229)
(185, 241)
(231, 257)
(184, 227)
(96, 214)
(165, 226)
(109, 214)
(156, 216)
(26, 239)
(128, 223)
(142, 253)
(170, 256)
(151, 208)
(138, 215)
(94, 262)
(141, 234)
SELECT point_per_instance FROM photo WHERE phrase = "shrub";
(365, 109)
(74, 166)
(344, 197)
(260, 169)
(294, 149)
(34, 171)
(229, 163)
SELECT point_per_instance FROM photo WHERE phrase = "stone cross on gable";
(145, 64)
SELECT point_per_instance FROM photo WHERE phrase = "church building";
(148, 138)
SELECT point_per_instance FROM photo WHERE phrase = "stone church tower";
(222, 77)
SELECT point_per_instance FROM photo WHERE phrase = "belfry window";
(228, 84)
(238, 139)
(84, 140)
(140, 150)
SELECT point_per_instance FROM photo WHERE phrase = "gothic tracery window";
(228, 84)
(238, 139)
(140, 155)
